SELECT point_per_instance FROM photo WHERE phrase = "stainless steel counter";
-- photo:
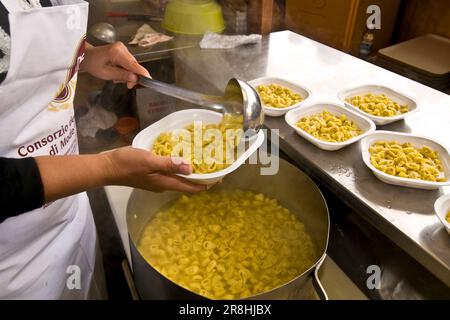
(405, 215)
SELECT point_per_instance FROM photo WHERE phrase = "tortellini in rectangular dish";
(228, 244)
(276, 96)
(377, 105)
(405, 161)
(208, 147)
(329, 127)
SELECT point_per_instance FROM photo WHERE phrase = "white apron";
(48, 253)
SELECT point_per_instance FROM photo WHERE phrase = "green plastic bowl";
(193, 17)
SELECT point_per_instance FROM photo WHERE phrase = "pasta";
(228, 244)
(448, 217)
(276, 96)
(406, 161)
(328, 127)
(208, 147)
(378, 105)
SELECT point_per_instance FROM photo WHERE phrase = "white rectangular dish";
(376, 90)
(417, 142)
(180, 119)
(293, 116)
(278, 112)
(441, 207)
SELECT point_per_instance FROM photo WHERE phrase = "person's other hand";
(113, 62)
(142, 169)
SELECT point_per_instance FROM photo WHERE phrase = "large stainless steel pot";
(293, 189)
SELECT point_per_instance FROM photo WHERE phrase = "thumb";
(170, 165)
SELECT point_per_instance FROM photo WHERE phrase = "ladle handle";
(200, 99)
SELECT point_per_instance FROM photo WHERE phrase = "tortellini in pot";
(227, 244)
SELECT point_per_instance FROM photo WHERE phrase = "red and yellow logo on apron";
(66, 92)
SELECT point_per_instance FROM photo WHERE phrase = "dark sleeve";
(4, 25)
(21, 188)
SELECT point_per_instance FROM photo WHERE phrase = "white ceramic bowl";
(180, 119)
(441, 207)
(293, 116)
(417, 142)
(278, 112)
(376, 90)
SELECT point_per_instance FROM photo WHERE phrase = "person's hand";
(142, 169)
(113, 62)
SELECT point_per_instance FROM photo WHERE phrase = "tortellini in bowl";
(207, 139)
(407, 160)
(381, 104)
(329, 126)
(278, 96)
(442, 210)
(207, 147)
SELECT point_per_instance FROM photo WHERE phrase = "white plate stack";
(425, 59)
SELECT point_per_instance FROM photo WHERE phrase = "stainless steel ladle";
(239, 99)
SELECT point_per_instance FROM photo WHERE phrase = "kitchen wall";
(340, 24)
(424, 16)
(383, 37)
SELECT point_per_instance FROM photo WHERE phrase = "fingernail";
(179, 161)
(132, 77)
(183, 165)
(185, 169)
